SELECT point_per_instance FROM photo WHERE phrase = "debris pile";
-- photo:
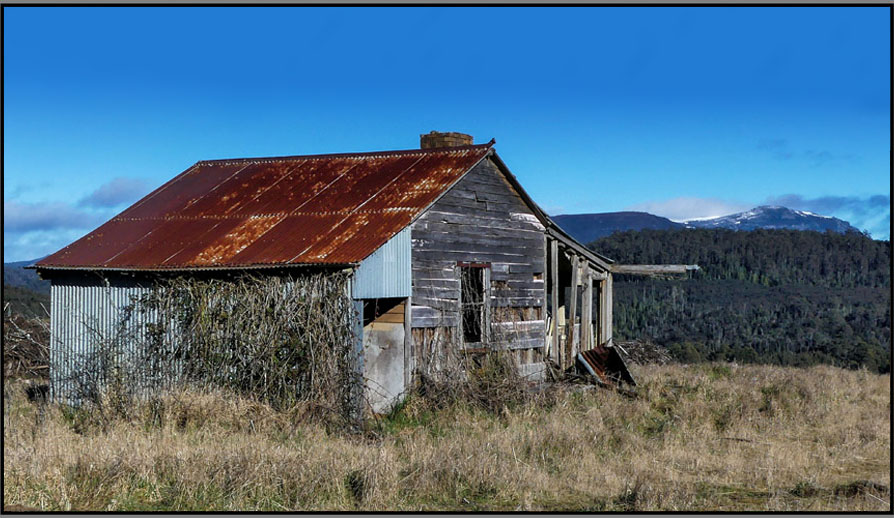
(607, 365)
(643, 352)
(25, 346)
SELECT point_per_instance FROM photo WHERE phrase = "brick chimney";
(437, 139)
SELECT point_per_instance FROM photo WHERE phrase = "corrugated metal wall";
(85, 312)
(387, 271)
(86, 321)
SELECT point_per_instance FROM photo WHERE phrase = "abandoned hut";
(446, 255)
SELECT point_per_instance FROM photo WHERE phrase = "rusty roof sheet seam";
(285, 175)
(362, 204)
(246, 246)
(207, 194)
(186, 245)
(321, 191)
(292, 213)
(268, 215)
(125, 249)
(160, 188)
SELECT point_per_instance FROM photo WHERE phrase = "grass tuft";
(749, 438)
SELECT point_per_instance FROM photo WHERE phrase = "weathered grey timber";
(586, 317)
(482, 219)
(653, 269)
(554, 299)
(572, 332)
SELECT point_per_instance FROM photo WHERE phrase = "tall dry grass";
(706, 437)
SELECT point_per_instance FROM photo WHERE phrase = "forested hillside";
(25, 302)
(774, 296)
(15, 274)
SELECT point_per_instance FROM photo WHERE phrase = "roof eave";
(551, 226)
(191, 268)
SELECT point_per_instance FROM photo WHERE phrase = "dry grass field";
(698, 437)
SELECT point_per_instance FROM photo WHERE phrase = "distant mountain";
(15, 274)
(774, 217)
(588, 227)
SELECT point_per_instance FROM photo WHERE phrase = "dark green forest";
(765, 296)
(25, 302)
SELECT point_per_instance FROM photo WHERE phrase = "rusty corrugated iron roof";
(253, 212)
(606, 364)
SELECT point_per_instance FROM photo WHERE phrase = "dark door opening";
(473, 300)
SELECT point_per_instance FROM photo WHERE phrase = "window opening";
(473, 300)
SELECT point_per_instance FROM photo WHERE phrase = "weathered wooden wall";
(481, 220)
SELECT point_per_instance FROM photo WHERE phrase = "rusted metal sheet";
(242, 213)
(606, 364)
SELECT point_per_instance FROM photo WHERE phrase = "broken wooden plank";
(653, 269)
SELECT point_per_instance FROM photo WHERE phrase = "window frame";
(485, 302)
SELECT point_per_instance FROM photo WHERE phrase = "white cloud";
(32, 230)
(872, 213)
(32, 245)
(118, 191)
(687, 207)
(29, 217)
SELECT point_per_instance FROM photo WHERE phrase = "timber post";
(554, 295)
(607, 304)
(572, 313)
(586, 317)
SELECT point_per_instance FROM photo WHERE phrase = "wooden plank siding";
(481, 219)
(554, 300)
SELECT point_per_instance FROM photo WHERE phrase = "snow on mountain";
(771, 216)
(588, 227)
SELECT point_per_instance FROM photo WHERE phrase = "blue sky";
(682, 112)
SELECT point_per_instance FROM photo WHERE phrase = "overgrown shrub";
(489, 381)
(285, 341)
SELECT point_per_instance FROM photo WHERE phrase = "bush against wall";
(281, 340)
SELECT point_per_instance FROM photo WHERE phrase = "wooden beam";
(485, 326)
(572, 313)
(600, 338)
(554, 294)
(653, 269)
(544, 305)
(357, 396)
(608, 309)
(460, 337)
(409, 360)
(598, 322)
(586, 313)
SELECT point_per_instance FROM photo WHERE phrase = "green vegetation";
(764, 257)
(25, 302)
(766, 296)
(14, 274)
